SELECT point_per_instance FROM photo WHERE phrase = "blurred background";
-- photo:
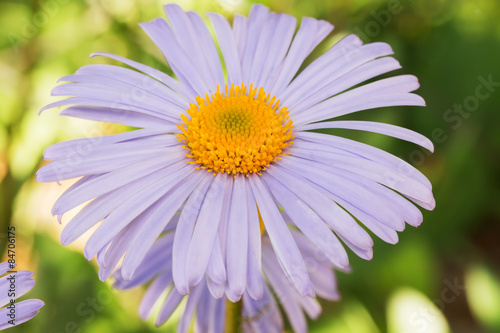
(442, 277)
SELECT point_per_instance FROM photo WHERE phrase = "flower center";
(236, 132)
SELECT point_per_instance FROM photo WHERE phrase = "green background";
(441, 277)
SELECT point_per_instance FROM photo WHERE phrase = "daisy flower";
(261, 315)
(13, 285)
(228, 143)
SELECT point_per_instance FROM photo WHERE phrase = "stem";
(233, 316)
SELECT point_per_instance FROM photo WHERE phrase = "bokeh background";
(441, 277)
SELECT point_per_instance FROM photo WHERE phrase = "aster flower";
(251, 130)
(261, 315)
(14, 285)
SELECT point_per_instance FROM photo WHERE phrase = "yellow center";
(239, 131)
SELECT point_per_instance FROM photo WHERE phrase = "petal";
(368, 152)
(286, 250)
(382, 174)
(240, 25)
(133, 207)
(25, 311)
(125, 77)
(338, 62)
(308, 222)
(22, 281)
(358, 75)
(157, 221)
(218, 316)
(284, 291)
(135, 97)
(102, 160)
(216, 289)
(156, 111)
(273, 54)
(320, 270)
(102, 184)
(209, 48)
(5, 267)
(85, 145)
(104, 205)
(157, 261)
(216, 269)
(189, 40)
(154, 73)
(375, 127)
(256, 20)
(161, 34)
(387, 92)
(155, 290)
(183, 234)
(228, 48)
(237, 241)
(310, 34)
(255, 284)
(205, 232)
(187, 315)
(119, 116)
(346, 189)
(118, 247)
(262, 315)
(337, 218)
(170, 304)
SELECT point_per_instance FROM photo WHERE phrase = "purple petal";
(102, 206)
(120, 116)
(337, 218)
(133, 207)
(375, 127)
(161, 34)
(216, 269)
(309, 35)
(85, 145)
(308, 222)
(258, 17)
(170, 304)
(25, 311)
(205, 231)
(228, 48)
(189, 39)
(237, 241)
(155, 290)
(124, 77)
(108, 182)
(387, 92)
(155, 224)
(187, 315)
(286, 250)
(183, 234)
(156, 74)
(280, 39)
(255, 284)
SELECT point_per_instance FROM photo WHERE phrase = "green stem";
(233, 316)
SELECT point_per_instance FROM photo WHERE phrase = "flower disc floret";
(238, 131)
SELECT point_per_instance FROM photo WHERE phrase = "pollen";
(238, 131)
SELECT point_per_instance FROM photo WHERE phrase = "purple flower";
(14, 285)
(262, 315)
(250, 128)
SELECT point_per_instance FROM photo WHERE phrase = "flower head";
(238, 132)
(250, 128)
(262, 315)
(13, 285)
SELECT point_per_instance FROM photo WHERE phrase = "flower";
(261, 315)
(252, 132)
(13, 285)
